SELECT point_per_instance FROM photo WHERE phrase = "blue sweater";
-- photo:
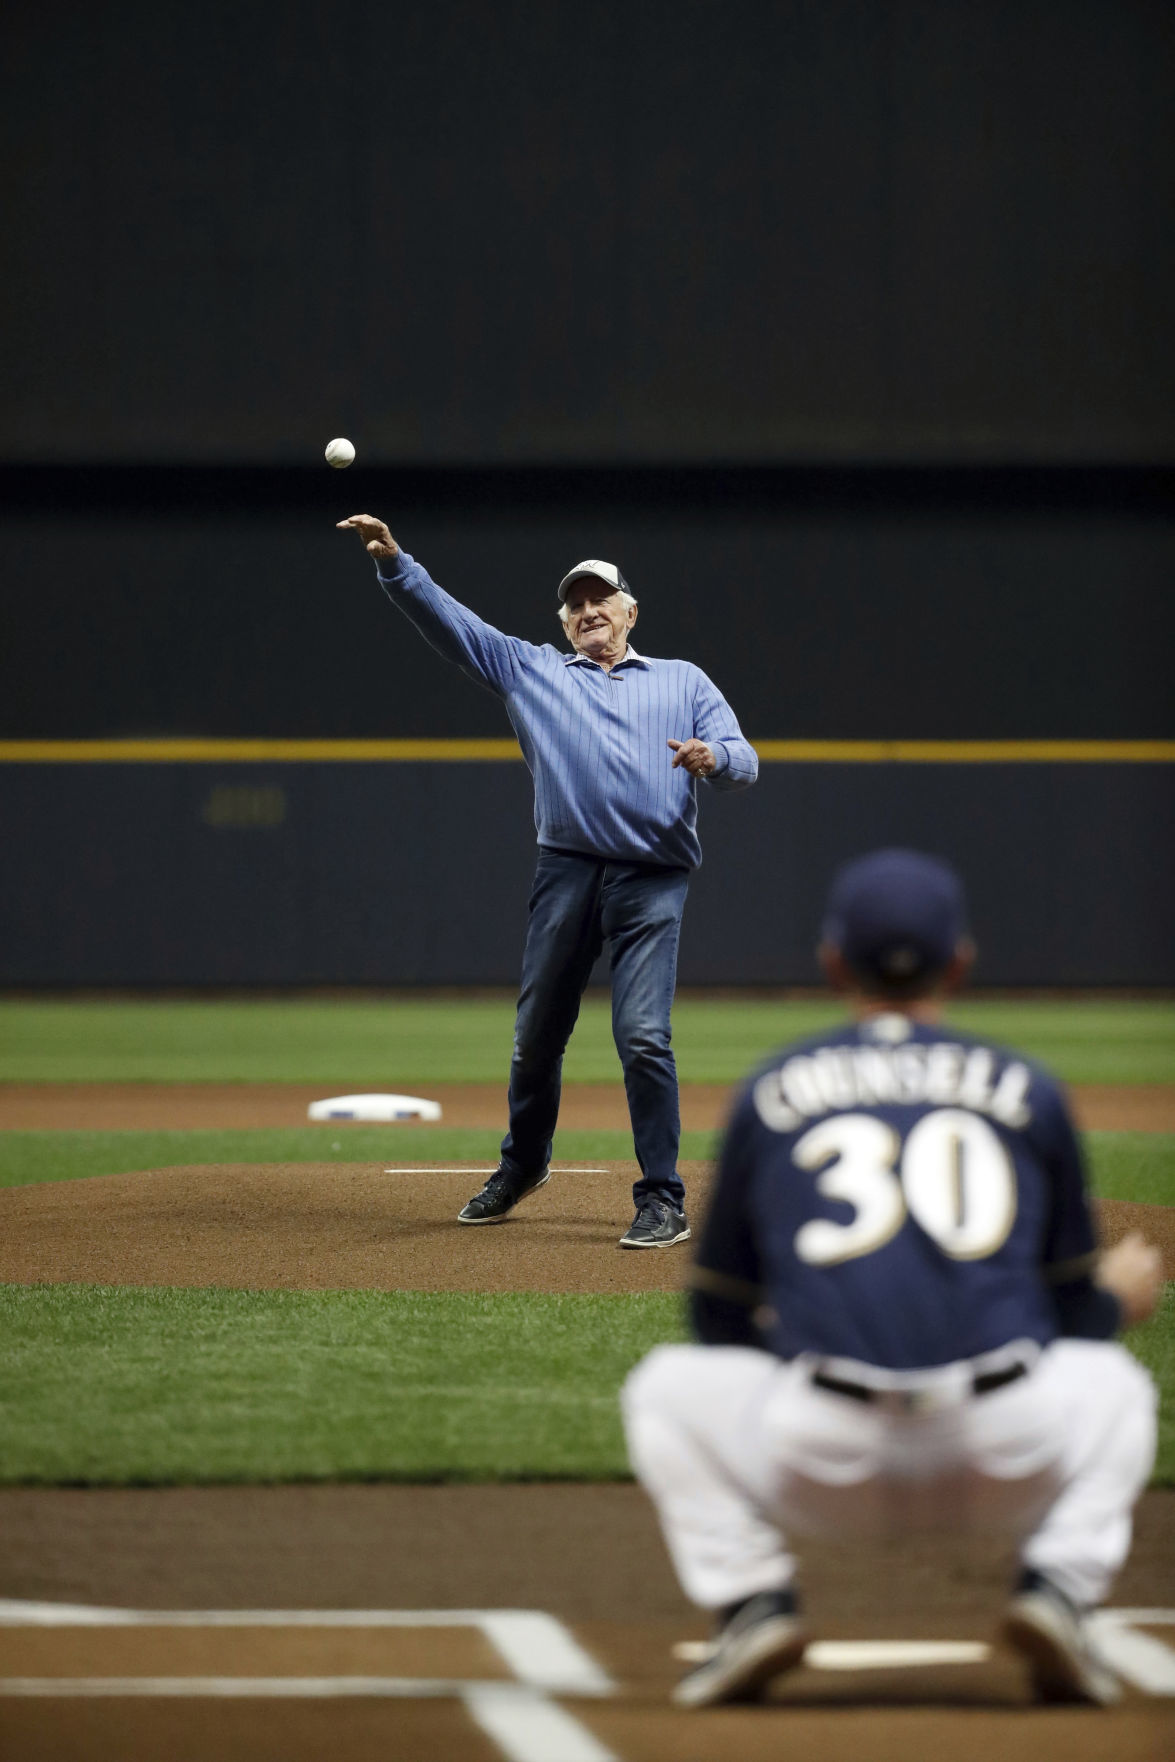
(594, 741)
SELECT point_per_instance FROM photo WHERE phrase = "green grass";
(117, 1385)
(1133, 1165)
(1084, 1040)
(1123, 1165)
(1154, 1344)
(27, 1157)
(393, 1042)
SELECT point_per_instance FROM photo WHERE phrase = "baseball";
(339, 454)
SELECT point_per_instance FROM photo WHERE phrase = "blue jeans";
(577, 903)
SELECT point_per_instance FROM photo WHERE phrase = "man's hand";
(1133, 1270)
(697, 758)
(376, 539)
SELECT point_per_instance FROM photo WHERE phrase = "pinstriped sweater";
(594, 741)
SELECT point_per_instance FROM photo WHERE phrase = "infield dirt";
(589, 1554)
(61, 1107)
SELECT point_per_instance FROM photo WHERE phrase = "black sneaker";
(1052, 1635)
(656, 1225)
(499, 1196)
(759, 1640)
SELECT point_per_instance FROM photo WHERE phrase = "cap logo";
(899, 963)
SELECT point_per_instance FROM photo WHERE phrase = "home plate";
(863, 1654)
(380, 1109)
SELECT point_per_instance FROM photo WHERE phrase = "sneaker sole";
(1058, 1672)
(682, 1236)
(500, 1217)
(741, 1671)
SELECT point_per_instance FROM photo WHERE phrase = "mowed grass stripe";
(116, 1386)
(400, 1043)
(1124, 1165)
(28, 1157)
(119, 1385)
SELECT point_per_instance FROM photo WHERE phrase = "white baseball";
(339, 454)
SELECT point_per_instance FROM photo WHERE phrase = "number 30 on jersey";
(952, 1175)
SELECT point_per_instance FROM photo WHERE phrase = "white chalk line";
(433, 1168)
(1146, 1662)
(543, 1653)
(245, 1688)
(517, 1715)
(540, 1651)
(529, 1728)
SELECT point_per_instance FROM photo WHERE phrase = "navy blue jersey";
(898, 1193)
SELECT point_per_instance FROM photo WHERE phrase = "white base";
(383, 1109)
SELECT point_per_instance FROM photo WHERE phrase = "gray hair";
(626, 600)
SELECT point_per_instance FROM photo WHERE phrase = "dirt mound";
(329, 1226)
(357, 1226)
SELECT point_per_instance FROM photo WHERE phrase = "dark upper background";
(537, 232)
(844, 325)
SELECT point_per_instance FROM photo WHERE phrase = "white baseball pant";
(739, 1451)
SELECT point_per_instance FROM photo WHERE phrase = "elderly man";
(615, 743)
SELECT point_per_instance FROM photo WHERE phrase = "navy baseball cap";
(896, 915)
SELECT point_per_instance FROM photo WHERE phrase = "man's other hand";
(1133, 1270)
(377, 541)
(697, 758)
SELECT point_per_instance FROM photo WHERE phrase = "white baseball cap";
(592, 566)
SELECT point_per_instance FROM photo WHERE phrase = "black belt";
(982, 1384)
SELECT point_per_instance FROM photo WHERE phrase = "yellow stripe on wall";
(966, 752)
(249, 752)
(771, 752)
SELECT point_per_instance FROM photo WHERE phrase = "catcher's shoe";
(656, 1225)
(499, 1196)
(759, 1640)
(1051, 1634)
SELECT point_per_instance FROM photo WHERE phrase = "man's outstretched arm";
(455, 632)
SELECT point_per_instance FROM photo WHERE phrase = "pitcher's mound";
(333, 1226)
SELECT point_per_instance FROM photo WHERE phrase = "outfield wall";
(944, 658)
(416, 873)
